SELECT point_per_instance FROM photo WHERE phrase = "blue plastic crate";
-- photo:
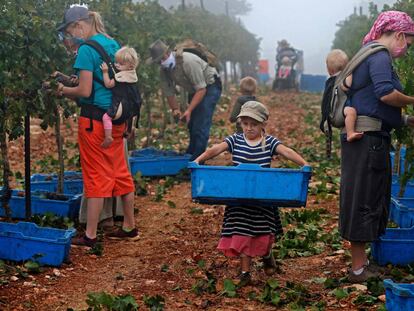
(45, 177)
(402, 212)
(312, 83)
(153, 162)
(249, 184)
(396, 246)
(69, 186)
(399, 297)
(69, 208)
(72, 184)
(27, 241)
(263, 77)
(395, 188)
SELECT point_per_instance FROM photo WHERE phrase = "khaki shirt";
(192, 74)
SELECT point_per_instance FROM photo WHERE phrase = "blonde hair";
(95, 20)
(248, 85)
(336, 61)
(263, 142)
(127, 56)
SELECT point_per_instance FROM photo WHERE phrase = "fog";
(309, 25)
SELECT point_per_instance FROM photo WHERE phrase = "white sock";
(358, 272)
(367, 264)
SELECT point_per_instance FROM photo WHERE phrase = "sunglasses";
(64, 36)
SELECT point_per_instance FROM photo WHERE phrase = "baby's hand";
(104, 67)
(107, 142)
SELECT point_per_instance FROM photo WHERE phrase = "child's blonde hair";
(248, 85)
(127, 55)
(336, 61)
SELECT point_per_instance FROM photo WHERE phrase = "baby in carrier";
(335, 63)
(285, 68)
(126, 99)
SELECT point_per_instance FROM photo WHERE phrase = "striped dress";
(248, 229)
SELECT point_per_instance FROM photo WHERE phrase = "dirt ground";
(172, 241)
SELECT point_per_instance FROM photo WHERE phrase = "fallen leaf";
(149, 282)
(358, 287)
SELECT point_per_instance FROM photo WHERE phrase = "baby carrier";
(126, 98)
(334, 98)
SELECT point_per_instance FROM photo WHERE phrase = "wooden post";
(234, 70)
(202, 5)
(149, 123)
(5, 194)
(28, 196)
(165, 117)
(59, 143)
(225, 74)
(183, 99)
(227, 8)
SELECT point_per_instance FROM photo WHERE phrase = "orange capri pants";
(104, 170)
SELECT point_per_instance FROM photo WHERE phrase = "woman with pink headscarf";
(376, 94)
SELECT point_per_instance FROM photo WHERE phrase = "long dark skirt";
(365, 187)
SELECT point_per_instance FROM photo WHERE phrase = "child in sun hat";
(249, 231)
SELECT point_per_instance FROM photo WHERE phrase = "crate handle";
(193, 164)
(307, 168)
(70, 233)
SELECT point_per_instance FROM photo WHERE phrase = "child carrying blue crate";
(249, 231)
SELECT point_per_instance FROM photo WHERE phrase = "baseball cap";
(73, 14)
(255, 110)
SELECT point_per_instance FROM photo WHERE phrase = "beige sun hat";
(255, 110)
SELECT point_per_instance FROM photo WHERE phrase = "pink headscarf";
(390, 21)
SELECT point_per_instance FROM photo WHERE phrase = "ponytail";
(95, 20)
(263, 140)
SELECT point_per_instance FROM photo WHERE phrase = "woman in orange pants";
(105, 172)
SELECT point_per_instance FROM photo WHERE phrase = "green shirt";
(193, 74)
